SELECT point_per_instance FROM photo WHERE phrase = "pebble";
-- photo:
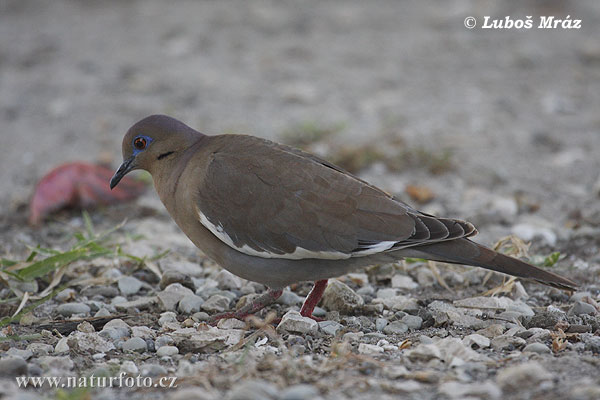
(216, 303)
(506, 342)
(477, 340)
(167, 351)
(129, 368)
(135, 344)
(61, 346)
(330, 327)
(539, 348)
(102, 312)
(299, 392)
(69, 309)
(530, 231)
(528, 374)
(226, 280)
(40, 349)
(403, 282)
(365, 348)
(163, 340)
(12, 366)
(129, 285)
(115, 329)
(171, 276)
(231, 323)
(118, 299)
(480, 390)
(580, 308)
(253, 389)
(292, 321)
(340, 297)
(141, 303)
(62, 363)
(166, 318)
(545, 319)
(395, 328)
(380, 323)
(143, 331)
(152, 370)
(104, 291)
(492, 331)
(413, 322)
(200, 316)
(190, 304)
(25, 354)
(289, 298)
(169, 297)
(66, 295)
(89, 342)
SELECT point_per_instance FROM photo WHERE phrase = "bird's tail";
(464, 251)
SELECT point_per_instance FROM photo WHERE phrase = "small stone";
(98, 356)
(539, 348)
(292, 321)
(66, 295)
(403, 282)
(253, 389)
(172, 294)
(86, 327)
(12, 366)
(141, 303)
(171, 276)
(340, 297)
(509, 343)
(40, 349)
(135, 344)
(545, 319)
(166, 318)
(129, 285)
(365, 348)
(167, 351)
(143, 331)
(330, 327)
(492, 331)
(479, 390)
(231, 323)
(528, 374)
(182, 266)
(380, 323)
(25, 354)
(529, 231)
(226, 280)
(387, 293)
(360, 278)
(190, 304)
(163, 340)
(115, 329)
(69, 309)
(117, 300)
(581, 308)
(89, 342)
(200, 316)
(62, 363)
(395, 328)
(61, 346)
(102, 312)
(129, 368)
(299, 392)
(152, 370)
(476, 340)
(104, 291)
(289, 298)
(398, 303)
(216, 303)
(413, 322)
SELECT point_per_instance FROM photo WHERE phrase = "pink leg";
(264, 300)
(313, 299)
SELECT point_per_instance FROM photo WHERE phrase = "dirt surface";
(500, 127)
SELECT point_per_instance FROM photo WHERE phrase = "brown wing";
(271, 200)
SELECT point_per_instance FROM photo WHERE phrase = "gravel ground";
(499, 127)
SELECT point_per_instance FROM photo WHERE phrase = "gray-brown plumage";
(277, 215)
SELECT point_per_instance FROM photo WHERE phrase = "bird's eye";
(140, 143)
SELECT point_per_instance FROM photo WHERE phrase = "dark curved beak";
(123, 170)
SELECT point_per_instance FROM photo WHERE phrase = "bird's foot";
(249, 309)
(313, 299)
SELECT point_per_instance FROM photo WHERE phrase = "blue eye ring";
(140, 143)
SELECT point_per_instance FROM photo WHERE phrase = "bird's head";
(152, 141)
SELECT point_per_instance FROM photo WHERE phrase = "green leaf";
(47, 265)
(551, 259)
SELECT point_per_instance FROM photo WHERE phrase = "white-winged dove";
(277, 215)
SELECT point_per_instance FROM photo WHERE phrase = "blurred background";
(500, 126)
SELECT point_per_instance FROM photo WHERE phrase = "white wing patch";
(298, 254)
